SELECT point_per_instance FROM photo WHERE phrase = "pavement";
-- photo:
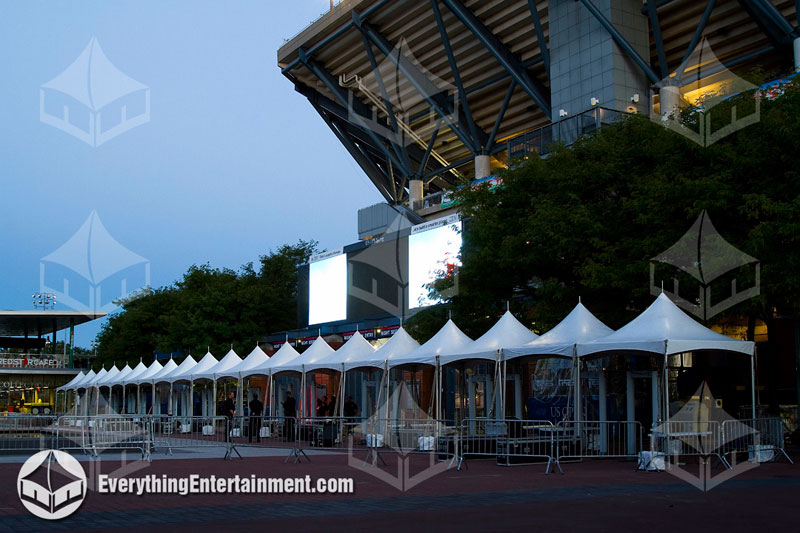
(593, 495)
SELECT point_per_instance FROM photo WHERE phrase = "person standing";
(289, 412)
(229, 411)
(256, 410)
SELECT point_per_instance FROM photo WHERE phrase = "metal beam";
(425, 87)
(777, 18)
(510, 63)
(621, 41)
(537, 24)
(656, 25)
(774, 31)
(701, 26)
(424, 163)
(345, 98)
(451, 58)
(500, 115)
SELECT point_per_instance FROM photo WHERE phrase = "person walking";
(289, 412)
(256, 410)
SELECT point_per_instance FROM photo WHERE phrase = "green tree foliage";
(208, 307)
(586, 220)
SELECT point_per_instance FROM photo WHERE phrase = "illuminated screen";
(432, 255)
(327, 290)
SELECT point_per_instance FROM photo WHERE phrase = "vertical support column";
(601, 398)
(655, 394)
(71, 342)
(630, 411)
(670, 99)
(483, 166)
(753, 381)
(796, 48)
(415, 194)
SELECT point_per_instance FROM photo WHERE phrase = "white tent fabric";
(110, 381)
(356, 347)
(168, 367)
(399, 345)
(74, 381)
(137, 371)
(88, 377)
(97, 377)
(186, 365)
(226, 363)
(256, 358)
(285, 354)
(316, 352)
(507, 332)
(448, 341)
(147, 375)
(188, 374)
(580, 325)
(663, 328)
(111, 374)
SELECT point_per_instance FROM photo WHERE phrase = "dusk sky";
(232, 163)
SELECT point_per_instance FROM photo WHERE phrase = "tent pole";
(753, 381)
(214, 399)
(666, 383)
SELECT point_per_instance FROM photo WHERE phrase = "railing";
(593, 439)
(510, 442)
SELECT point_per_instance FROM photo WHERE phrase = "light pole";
(44, 300)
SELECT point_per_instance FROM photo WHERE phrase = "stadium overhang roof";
(30, 323)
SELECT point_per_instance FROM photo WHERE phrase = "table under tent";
(664, 336)
(214, 373)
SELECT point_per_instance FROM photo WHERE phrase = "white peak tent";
(157, 378)
(71, 383)
(168, 367)
(112, 373)
(356, 347)
(448, 341)
(97, 377)
(147, 375)
(285, 354)
(580, 325)
(664, 329)
(86, 378)
(230, 360)
(318, 350)
(255, 359)
(116, 380)
(398, 345)
(507, 332)
(137, 371)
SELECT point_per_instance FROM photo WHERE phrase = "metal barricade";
(183, 432)
(762, 439)
(27, 432)
(407, 436)
(510, 442)
(585, 439)
(701, 438)
(266, 432)
(93, 434)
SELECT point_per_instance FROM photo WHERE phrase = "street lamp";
(95, 344)
(44, 300)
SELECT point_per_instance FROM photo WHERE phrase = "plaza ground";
(599, 495)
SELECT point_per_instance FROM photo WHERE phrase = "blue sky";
(232, 163)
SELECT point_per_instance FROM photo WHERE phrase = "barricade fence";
(761, 439)
(178, 432)
(509, 441)
(701, 438)
(587, 439)
(99, 433)
(266, 432)
(27, 432)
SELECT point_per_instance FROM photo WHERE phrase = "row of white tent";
(661, 329)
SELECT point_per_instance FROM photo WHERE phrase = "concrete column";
(415, 195)
(483, 166)
(670, 99)
(796, 47)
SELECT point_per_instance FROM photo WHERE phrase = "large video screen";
(327, 289)
(378, 279)
(432, 254)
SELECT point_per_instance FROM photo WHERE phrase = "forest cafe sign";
(30, 362)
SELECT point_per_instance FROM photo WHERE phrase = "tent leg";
(753, 383)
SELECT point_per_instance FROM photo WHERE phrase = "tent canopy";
(285, 354)
(88, 377)
(580, 325)
(255, 359)
(663, 328)
(318, 350)
(97, 377)
(399, 345)
(507, 332)
(131, 378)
(226, 363)
(112, 373)
(356, 347)
(110, 381)
(77, 379)
(188, 374)
(448, 341)
(147, 375)
(169, 367)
